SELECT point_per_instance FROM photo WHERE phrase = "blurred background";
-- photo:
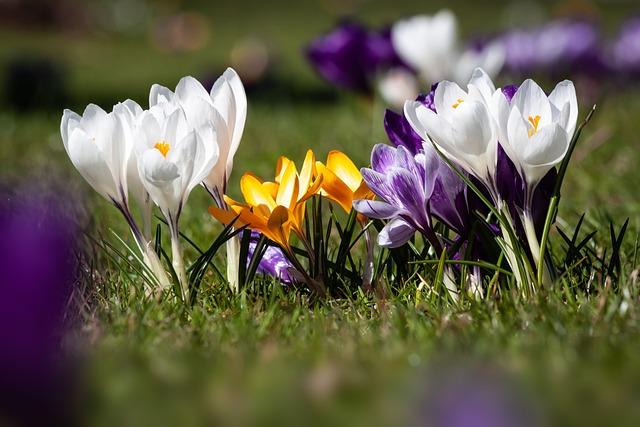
(68, 53)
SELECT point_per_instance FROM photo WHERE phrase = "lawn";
(570, 355)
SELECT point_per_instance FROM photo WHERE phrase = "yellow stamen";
(535, 121)
(163, 147)
(460, 101)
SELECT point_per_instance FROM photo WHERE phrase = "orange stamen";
(535, 121)
(163, 147)
(460, 101)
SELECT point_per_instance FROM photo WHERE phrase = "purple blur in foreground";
(476, 396)
(273, 263)
(37, 268)
(350, 56)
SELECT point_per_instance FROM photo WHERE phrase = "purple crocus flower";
(405, 183)
(274, 263)
(350, 56)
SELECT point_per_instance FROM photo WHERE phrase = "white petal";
(89, 161)
(189, 87)
(159, 94)
(448, 96)
(564, 93)
(547, 147)
(233, 109)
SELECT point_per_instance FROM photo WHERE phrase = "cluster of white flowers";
(159, 155)
(534, 130)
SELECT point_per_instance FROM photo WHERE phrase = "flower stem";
(233, 263)
(177, 261)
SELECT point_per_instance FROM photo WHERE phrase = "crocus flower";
(535, 132)
(172, 160)
(225, 120)
(100, 146)
(350, 56)
(405, 183)
(463, 126)
(274, 208)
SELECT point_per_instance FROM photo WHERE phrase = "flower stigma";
(535, 121)
(163, 147)
(460, 101)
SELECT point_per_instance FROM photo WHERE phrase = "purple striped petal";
(375, 209)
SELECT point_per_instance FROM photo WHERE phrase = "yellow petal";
(271, 188)
(344, 168)
(279, 225)
(334, 189)
(307, 172)
(288, 190)
(224, 216)
(255, 194)
(282, 164)
(313, 189)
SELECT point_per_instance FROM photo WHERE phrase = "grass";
(569, 356)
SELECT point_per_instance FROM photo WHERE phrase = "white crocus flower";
(463, 127)
(172, 160)
(427, 43)
(100, 146)
(227, 118)
(97, 146)
(130, 111)
(535, 132)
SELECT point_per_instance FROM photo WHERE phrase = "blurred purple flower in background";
(558, 48)
(37, 271)
(350, 56)
(625, 49)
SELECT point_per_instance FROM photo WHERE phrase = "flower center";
(163, 147)
(460, 101)
(535, 121)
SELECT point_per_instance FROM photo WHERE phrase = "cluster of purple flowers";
(353, 57)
